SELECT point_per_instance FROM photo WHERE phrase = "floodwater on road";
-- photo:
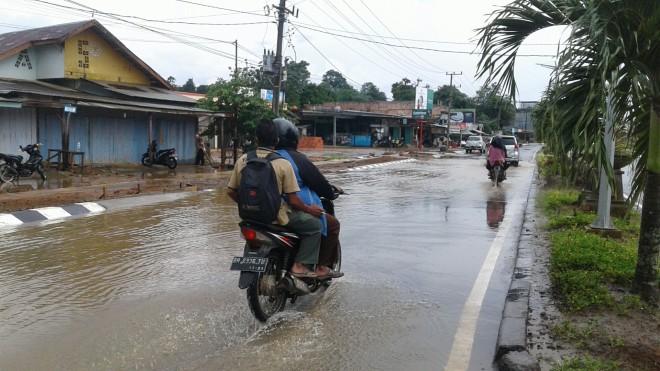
(146, 284)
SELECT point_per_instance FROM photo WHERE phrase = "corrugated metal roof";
(28, 91)
(349, 113)
(13, 42)
(145, 92)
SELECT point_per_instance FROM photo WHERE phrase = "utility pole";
(451, 79)
(281, 17)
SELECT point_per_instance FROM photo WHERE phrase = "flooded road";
(428, 247)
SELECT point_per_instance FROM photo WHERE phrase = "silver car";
(511, 144)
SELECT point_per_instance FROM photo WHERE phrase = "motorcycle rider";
(313, 185)
(302, 219)
(496, 154)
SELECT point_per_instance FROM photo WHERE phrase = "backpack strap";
(273, 156)
(251, 155)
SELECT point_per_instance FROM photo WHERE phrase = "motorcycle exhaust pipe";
(294, 285)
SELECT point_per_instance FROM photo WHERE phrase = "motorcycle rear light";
(254, 237)
(249, 234)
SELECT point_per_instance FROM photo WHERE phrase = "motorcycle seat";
(269, 227)
(17, 158)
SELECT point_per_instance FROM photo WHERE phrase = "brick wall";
(310, 143)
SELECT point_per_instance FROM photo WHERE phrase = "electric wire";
(324, 57)
(396, 62)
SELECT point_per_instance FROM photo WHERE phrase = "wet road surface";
(428, 247)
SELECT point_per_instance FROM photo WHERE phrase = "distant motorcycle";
(14, 167)
(165, 157)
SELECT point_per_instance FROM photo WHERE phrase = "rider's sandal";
(306, 274)
(331, 274)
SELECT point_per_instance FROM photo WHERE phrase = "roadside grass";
(586, 364)
(590, 274)
(591, 277)
(584, 264)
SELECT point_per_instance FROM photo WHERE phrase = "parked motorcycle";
(13, 166)
(165, 157)
(497, 174)
(268, 255)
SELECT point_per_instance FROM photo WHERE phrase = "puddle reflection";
(495, 208)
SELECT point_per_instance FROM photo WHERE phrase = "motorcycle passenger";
(302, 219)
(496, 153)
(312, 185)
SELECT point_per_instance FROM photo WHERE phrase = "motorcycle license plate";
(242, 263)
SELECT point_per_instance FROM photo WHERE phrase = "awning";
(145, 107)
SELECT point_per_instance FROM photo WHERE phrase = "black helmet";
(287, 133)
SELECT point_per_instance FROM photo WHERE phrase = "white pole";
(603, 220)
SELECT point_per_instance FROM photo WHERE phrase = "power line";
(415, 47)
(323, 55)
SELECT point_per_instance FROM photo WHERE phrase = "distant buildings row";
(77, 83)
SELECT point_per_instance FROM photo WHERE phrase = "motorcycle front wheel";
(7, 174)
(41, 171)
(171, 163)
(265, 298)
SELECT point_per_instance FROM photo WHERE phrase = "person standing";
(199, 143)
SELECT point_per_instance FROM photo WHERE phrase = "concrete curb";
(511, 352)
(48, 213)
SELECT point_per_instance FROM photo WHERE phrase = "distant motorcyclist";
(496, 154)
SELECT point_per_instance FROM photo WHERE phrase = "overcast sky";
(379, 41)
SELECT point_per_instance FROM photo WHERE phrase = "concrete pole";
(334, 130)
(278, 57)
(603, 220)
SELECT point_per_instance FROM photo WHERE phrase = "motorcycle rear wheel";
(266, 304)
(7, 174)
(171, 163)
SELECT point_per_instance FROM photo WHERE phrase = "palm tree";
(614, 46)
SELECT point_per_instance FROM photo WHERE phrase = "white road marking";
(8, 219)
(461, 350)
(365, 167)
(52, 212)
(92, 206)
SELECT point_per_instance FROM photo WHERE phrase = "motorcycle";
(268, 255)
(14, 167)
(497, 173)
(165, 157)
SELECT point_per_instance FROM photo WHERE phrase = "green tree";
(458, 98)
(371, 91)
(202, 89)
(188, 87)
(335, 79)
(494, 108)
(403, 90)
(297, 80)
(172, 81)
(230, 97)
(613, 50)
(317, 94)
